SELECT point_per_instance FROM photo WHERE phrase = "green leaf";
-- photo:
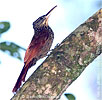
(70, 96)
(11, 48)
(4, 26)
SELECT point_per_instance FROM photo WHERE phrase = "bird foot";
(57, 45)
(52, 49)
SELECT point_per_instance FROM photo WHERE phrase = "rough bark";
(65, 63)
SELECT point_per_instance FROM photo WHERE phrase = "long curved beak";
(48, 14)
(51, 11)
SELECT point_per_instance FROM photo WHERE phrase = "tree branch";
(65, 63)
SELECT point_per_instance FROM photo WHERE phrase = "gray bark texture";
(65, 63)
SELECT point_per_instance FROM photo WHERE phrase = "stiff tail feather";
(20, 79)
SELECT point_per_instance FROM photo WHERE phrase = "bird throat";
(39, 29)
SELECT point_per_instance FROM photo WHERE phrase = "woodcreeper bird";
(39, 46)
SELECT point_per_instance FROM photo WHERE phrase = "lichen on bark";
(65, 63)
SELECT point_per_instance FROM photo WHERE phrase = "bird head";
(43, 20)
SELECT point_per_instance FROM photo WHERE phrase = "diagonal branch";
(66, 62)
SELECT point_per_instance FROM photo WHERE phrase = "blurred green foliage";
(12, 48)
(70, 96)
(4, 26)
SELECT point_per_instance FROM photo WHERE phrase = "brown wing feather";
(36, 44)
(31, 53)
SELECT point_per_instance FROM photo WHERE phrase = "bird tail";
(20, 78)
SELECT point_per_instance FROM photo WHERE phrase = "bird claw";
(52, 49)
(57, 45)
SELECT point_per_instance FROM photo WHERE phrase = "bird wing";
(32, 52)
(33, 49)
